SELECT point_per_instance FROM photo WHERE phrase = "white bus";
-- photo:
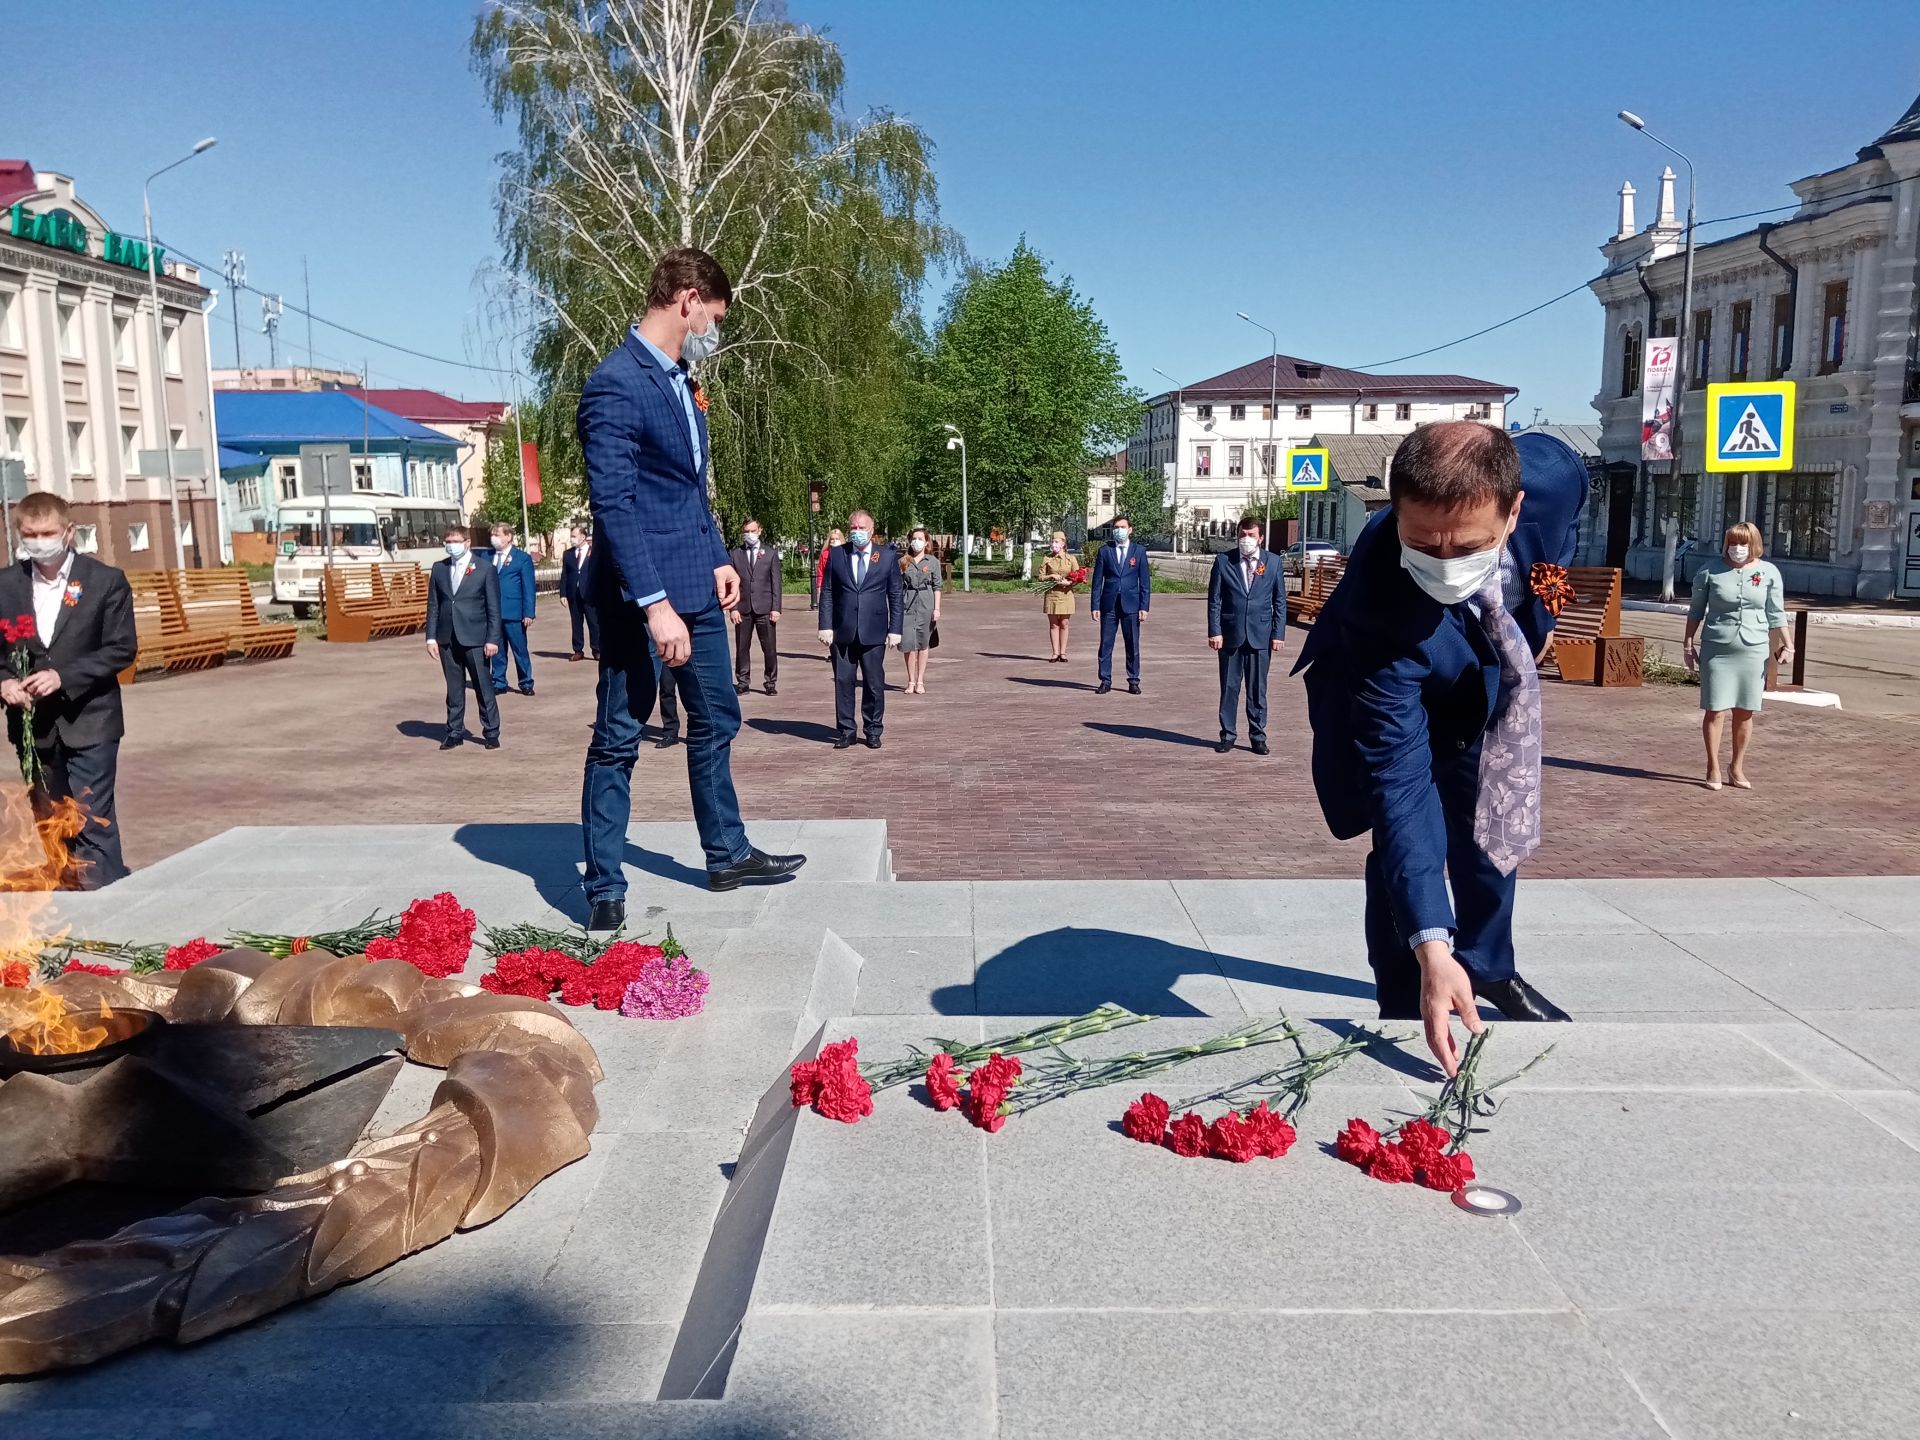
(365, 527)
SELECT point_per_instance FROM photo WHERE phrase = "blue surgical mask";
(858, 539)
(700, 344)
(1121, 536)
(455, 549)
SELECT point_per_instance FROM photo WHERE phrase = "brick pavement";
(1009, 768)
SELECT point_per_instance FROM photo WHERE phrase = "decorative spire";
(1907, 127)
(1664, 220)
(1625, 231)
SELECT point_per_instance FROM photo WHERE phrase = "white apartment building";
(81, 373)
(1226, 443)
(1825, 298)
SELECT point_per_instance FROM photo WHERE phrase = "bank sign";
(62, 230)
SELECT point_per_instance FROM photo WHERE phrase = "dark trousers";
(514, 634)
(668, 680)
(1482, 904)
(1248, 666)
(1128, 627)
(869, 662)
(628, 689)
(743, 633)
(464, 665)
(85, 775)
(586, 626)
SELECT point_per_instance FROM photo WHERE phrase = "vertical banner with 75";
(1657, 399)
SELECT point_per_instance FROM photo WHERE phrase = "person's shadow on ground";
(1148, 732)
(1072, 970)
(550, 856)
(794, 729)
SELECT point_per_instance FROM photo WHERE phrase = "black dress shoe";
(759, 868)
(770, 689)
(1223, 747)
(1259, 747)
(873, 742)
(843, 742)
(1517, 1000)
(526, 690)
(452, 742)
(576, 656)
(500, 689)
(492, 742)
(607, 915)
(1103, 687)
(668, 739)
(1133, 687)
(740, 687)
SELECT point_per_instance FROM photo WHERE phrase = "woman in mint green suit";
(1740, 598)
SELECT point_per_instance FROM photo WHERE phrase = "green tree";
(1026, 370)
(1142, 498)
(560, 488)
(647, 124)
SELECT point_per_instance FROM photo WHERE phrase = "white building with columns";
(1826, 298)
(1226, 444)
(82, 371)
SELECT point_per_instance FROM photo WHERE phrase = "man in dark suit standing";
(1424, 700)
(1247, 626)
(463, 634)
(1122, 594)
(860, 614)
(759, 610)
(515, 569)
(83, 637)
(660, 572)
(584, 619)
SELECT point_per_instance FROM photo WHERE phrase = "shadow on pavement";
(422, 729)
(794, 729)
(1147, 732)
(1594, 767)
(549, 855)
(1046, 684)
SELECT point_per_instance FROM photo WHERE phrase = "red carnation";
(16, 974)
(1146, 1120)
(804, 1077)
(1391, 1164)
(1188, 1135)
(1232, 1138)
(185, 957)
(1273, 1133)
(941, 1084)
(1423, 1140)
(1358, 1143)
(1447, 1172)
(82, 967)
(987, 1089)
(17, 630)
(843, 1093)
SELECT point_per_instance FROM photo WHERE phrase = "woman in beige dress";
(1058, 601)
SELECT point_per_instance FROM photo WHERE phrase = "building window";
(1303, 412)
(1203, 412)
(1782, 357)
(1236, 460)
(170, 346)
(68, 312)
(363, 474)
(86, 538)
(1403, 412)
(130, 448)
(79, 452)
(287, 473)
(10, 318)
(1369, 412)
(1739, 340)
(1266, 461)
(123, 341)
(1266, 412)
(1202, 515)
(1702, 357)
(137, 535)
(1203, 460)
(1677, 500)
(1632, 361)
(247, 493)
(1106, 495)
(13, 438)
(1833, 328)
(1802, 516)
(186, 534)
(1663, 327)
(1236, 412)
(1483, 410)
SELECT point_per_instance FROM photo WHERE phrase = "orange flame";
(39, 1023)
(36, 858)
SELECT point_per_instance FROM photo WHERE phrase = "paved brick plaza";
(1009, 768)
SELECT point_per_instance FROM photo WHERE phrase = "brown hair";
(687, 269)
(1745, 533)
(1457, 463)
(1252, 522)
(43, 505)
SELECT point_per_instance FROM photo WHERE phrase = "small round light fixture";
(1478, 1199)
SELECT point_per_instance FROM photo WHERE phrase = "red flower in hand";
(1188, 1135)
(941, 1084)
(1358, 1143)
(1391, 1164)
(17, 630)
(1146, 1120)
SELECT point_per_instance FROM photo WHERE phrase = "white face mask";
(916, 544)
(1738, 554)
(700, 344)
(1249, 546)
(753, 539)
(43, 550)
(1454, 580)
(503, 543)
(1120, 537)
(455, 549)
(1059, 547)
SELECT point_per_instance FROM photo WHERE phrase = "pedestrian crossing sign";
(1750, 426)
(1307, 469)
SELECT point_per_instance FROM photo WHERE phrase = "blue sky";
(1367, 179)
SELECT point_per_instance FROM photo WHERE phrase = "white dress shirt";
(48, 596)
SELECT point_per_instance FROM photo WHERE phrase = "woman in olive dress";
(920, 581)
(1058, 601)
(1739, 597)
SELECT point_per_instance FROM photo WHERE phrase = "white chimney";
(1664, 220)
(1625, 232)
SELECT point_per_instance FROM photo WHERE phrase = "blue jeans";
(515, 639)
(86, 774)
(627, 693)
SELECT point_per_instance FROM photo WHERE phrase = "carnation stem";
(1058, 1080)
(887, 1073)
(1463, 1098)
(1293, 1079)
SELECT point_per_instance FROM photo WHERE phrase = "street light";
(160, 348)
(1686, 297)
(957, 441)
(1179, 409)
(1273, 414)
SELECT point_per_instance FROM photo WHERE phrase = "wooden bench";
(358, 609)
(1316, 585)
(221, 602)
(160, 623)
(1588, 647)
(406, 588)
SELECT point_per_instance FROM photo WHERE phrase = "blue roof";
(283, 417)
(232, 459)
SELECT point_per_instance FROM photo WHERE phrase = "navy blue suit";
(654, 536)
(1122, 593)
(516, 608)
(1248, 618)
(584, 618)
(861, 617)
(1400, 691)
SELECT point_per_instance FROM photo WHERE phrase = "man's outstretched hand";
(1446, 990)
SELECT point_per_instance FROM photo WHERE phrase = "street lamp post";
(957, 441)
(1273, 414)
(160, 350)
(1179, 409)
(1686, 299)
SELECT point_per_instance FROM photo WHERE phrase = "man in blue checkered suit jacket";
(661, 569)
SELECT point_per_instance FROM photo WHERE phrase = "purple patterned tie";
(1506, 816)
